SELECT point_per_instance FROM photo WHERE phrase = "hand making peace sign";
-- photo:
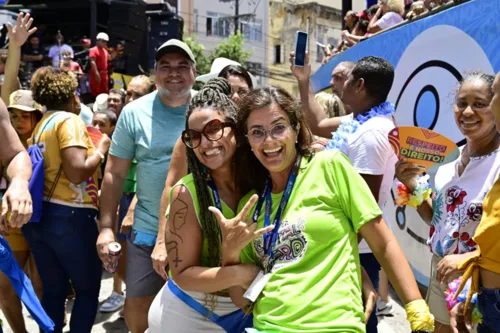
(239, 231)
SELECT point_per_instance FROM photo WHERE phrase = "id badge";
(257, 286)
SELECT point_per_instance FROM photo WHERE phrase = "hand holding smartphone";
(300, 48)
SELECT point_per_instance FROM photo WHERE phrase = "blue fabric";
(22, 286)
(235, 322)
(86, 114)
(63, 245)
(142, 238)
(372, 268)
(37, 181)
(489, 306)
(147, 130)
(36, 184)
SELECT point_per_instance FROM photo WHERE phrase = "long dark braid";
(214, 94)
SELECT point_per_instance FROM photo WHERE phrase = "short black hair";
(363, 26)
(110, 114)
(378, 75)
(118, 92)
(237, 70)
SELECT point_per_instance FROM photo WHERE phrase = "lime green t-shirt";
(316, 281)
(188, 182)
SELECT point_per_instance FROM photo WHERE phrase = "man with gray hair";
(147, 131)
(317, 119)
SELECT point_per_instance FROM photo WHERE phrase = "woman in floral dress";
(460, 187)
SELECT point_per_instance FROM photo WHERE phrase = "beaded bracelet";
(461, 298)
(421, 192)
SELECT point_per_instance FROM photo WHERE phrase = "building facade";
(322, 19)
(212, 21)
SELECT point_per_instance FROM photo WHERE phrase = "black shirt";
(30, 51)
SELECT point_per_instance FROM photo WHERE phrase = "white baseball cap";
(102, 36)
(101, 102)
(217, 66)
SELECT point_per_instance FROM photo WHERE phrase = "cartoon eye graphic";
(428, 102)
(427, 77)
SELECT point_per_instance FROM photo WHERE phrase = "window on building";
(252, 30)
(209, 26)
(218, 25)
(319, 53)
(195, 30)
(277, 54)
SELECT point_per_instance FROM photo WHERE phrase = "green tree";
(203, 62)
(232, 48)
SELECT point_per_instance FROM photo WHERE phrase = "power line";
(196, 31)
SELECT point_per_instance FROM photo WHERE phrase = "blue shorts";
(124, 205)
(489, 305)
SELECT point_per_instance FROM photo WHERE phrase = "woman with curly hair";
(63, 242)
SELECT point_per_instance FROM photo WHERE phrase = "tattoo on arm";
(173, 246)
(178, 217)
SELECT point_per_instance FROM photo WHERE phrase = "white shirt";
(388, 20)
(458, 205)
(86, 114)
(371, 154)
(55, 52)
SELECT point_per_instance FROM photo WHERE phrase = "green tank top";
(188, 182)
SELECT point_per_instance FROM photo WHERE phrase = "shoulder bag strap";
(59, 172)
(35, 141)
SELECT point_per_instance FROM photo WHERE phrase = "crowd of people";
(93, 66)
(235, 207)
(379, 17)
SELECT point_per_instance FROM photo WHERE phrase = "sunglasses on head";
(213, 131)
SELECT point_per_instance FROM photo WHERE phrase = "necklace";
(339, 137)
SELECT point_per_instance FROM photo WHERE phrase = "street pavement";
(112, 323)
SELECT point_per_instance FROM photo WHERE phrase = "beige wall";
(187, 13)
(285, 20)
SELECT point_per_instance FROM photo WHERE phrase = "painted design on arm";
(173, 246)
(178, 217)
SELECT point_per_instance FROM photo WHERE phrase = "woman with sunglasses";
(193, 239)
(317, 203)
(241, 83)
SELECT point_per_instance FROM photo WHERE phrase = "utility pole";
(236, 16)
(93, 20)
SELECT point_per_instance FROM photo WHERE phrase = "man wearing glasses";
(147, 131)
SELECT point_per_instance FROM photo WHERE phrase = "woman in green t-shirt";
(193, 238)
(318, 204)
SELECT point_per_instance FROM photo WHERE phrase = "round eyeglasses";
(258, 135)
(213, 131)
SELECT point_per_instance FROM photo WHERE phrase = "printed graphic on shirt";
(290, 247)
(461, 215)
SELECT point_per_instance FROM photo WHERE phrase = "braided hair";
(216, 94)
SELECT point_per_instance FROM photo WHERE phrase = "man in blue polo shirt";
(147, 131)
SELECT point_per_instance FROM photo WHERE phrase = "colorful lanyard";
(215, 193)
(270, 237)
(217, 202)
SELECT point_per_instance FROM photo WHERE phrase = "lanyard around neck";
(271, 237)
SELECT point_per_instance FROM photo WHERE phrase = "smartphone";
(300, 48)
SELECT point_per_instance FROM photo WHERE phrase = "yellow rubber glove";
(419, 316)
